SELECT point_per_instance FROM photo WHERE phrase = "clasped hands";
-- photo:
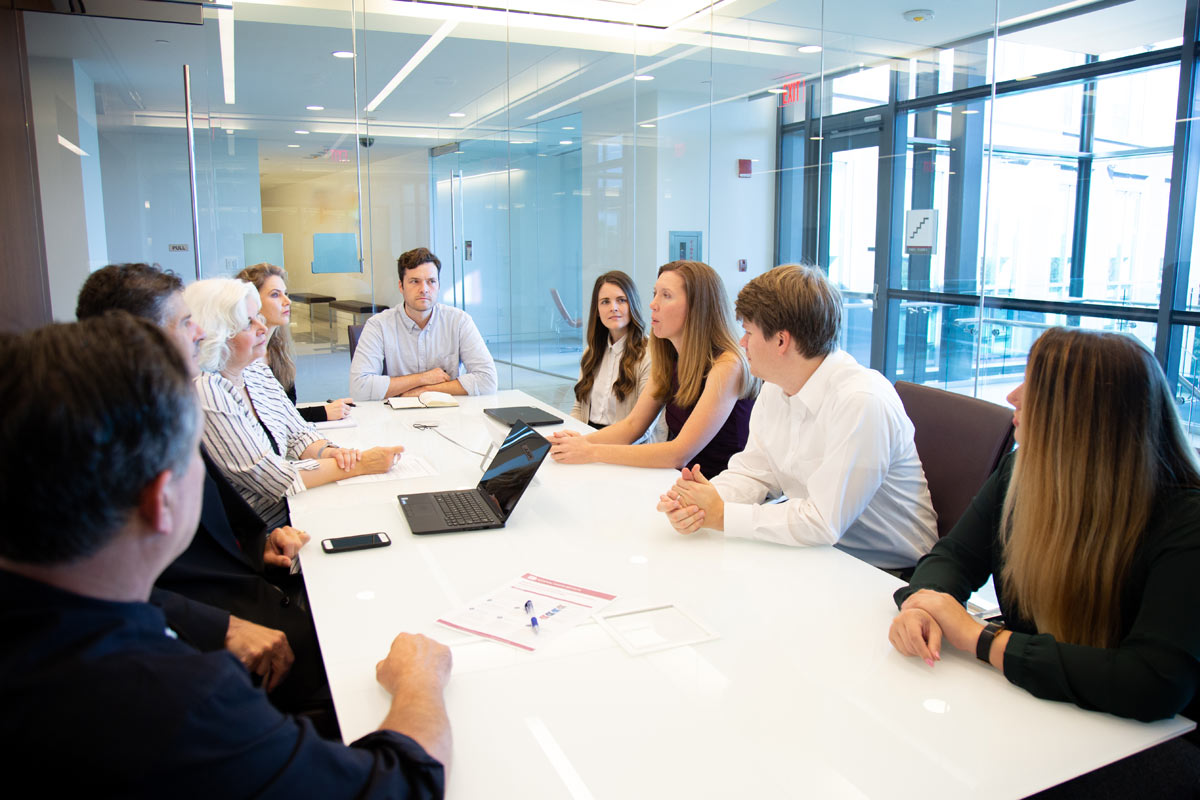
(569, 447)
(693, 503)
(927, 618)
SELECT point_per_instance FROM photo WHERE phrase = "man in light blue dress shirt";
(423, 346)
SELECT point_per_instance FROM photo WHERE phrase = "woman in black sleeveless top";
(699, 374)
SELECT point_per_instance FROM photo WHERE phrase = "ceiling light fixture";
(293, 145)
(776, 91)
(314, 108)
(225, 34)
(919, 15)
(342, 54)
(417, 58)
(301, 133)
(568, 127)
(647, 125)
(67, 143)
(565, 141)
(643, 77)
(809, 48)
(457, 114)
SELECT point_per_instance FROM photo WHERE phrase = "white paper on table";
(407, 467)
(500, 614)
(328, 425)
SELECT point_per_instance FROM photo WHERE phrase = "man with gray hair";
(104, 490)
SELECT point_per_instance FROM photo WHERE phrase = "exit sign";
(339, 155)
(792, 93)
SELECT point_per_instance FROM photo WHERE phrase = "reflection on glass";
(940, 343)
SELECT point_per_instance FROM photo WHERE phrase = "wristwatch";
(983, 647)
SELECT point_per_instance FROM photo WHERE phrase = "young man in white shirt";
(826, 433)
(423, 346)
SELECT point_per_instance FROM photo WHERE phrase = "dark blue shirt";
(97, 696)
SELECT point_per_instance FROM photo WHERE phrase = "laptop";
(490, 503)
(510, 415)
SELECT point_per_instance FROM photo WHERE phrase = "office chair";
(960, 441)
(564, 318)
(353, 332)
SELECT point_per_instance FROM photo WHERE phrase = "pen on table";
(533, 623)
(348, 403)
(528, 606)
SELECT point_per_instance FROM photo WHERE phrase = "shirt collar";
(617, 347)
(813, 392)
(408, 323)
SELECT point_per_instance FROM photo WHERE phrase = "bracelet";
(326, 447)
(983, 647)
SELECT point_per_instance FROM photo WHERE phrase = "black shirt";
(1154, 671)
(99, 697)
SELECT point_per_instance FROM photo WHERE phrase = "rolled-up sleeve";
(479, 370)
(368, 380)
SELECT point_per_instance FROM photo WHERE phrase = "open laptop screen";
(513, 467)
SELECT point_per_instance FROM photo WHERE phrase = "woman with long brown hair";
(699, 375)
(1092, 530)
(616, 364)
(271, 282)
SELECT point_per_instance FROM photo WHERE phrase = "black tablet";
(527, 414)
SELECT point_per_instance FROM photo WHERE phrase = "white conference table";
(800, 696)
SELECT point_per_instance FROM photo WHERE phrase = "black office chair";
(960, 441)
(353, 332)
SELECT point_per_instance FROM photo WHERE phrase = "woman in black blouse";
(1092, 528)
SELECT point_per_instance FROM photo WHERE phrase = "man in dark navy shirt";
(230, 588)
(102, 483)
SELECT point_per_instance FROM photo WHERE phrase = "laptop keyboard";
(463, 508)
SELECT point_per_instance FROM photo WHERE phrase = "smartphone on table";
(365, 541)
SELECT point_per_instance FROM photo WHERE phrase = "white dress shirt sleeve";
(840, 486)
(479, 371)
(367, 378)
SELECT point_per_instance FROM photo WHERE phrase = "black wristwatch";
(983, 648)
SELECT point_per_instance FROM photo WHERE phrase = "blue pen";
(533, 623)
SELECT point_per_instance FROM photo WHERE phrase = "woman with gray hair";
(251, 429)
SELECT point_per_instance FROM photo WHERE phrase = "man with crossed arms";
(826, 433)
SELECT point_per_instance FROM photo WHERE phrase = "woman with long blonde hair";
(271, 282)
(699, 375)
(615, 367)
(1092, 530)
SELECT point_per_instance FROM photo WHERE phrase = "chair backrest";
(960, 441)
(353, 332)
(562, 309)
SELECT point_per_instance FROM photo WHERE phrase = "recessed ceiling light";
(342, 54)
(643, 77)
(565, 141)
(816, 138)
(776, 91)
(314, 108)
(293, 145)
(647, 125)
(568, 127)
(809, 48)
(457, 114)
(969, 111)
(301, 133)
(229, 131)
